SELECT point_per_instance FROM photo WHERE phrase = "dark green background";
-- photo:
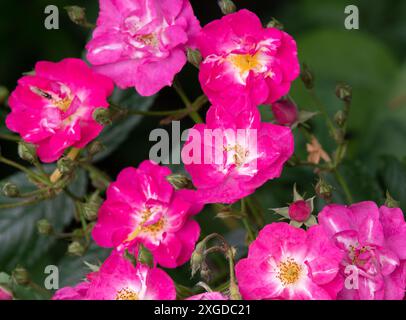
(372, 60)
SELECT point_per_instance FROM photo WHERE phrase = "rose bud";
(300, 211)
(285, 112)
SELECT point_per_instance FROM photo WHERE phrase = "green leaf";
(361, 181)
(72, 270)
(113, 135)
(388, 134)
(20, 242)
(355, 58)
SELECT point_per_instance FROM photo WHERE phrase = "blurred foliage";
(372, 60)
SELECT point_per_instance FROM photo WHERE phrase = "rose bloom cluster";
(143, 44)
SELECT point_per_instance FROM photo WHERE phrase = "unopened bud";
(307, 77)
(94, 148)
(324, 190)
(227, 6)
(102, 116)
(194, 57)
(390, 202)
(10, 190)
(198, 258)
(300, 211)
(92, 206)
(340, 118)
(285, 112)
(99, 182)
(3, 94)
(344, 92)
(275, 24)
(77, 234)
(180, 181)
(77, 15)
(339, 135)
(340, 152)
(65, 165)
(27, 152)
(234, 291)
(44, 227)
(76, 249)
(227, 213)
(205, 273)
(20, 276)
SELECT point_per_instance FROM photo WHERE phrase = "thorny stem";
(155, 113)
(27, 171)
(251, 235)
(234, 291)
(186, 101)
(259, 219)
(82, 221)
(228, 251)
(25, 203)
(194, 107)
(322, 108)
(38, 288)
(330, 167)
(340, 179)
(9, 137)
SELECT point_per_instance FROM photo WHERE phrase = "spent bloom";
(53, 108)
(244, 63)
(373, 241)
(289, 263)
(118, 279)
(142, 207)
(141, 43)
(232, 155)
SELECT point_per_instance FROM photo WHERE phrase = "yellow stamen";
(126, 294)
(289, 272)
(245, 62)
(154, 228)
(240, 154)
(148, 39)
(63, 104)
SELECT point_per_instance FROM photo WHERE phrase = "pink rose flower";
(285, 112)
(208, 296)
(373, 240)
(72, 293)
(232, 155)
(289, 263)
(143, 207)
(244, 63)
(300, 210)
(142, 44)
(5, 294)
(118, 279)
(53, 109)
